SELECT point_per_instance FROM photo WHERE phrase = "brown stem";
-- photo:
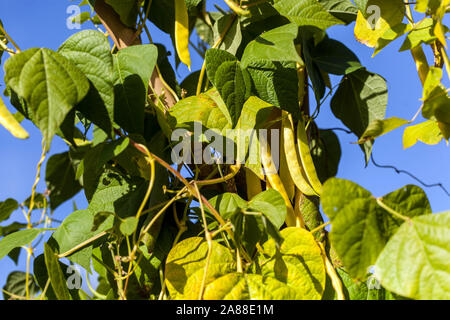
(123, 37)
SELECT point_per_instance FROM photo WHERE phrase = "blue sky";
(42, 23)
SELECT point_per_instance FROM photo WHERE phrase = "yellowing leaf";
(380, 127)
(10, 123)
(439, 32)
(182, 32)
(241, 286)
(381, 16)
(185, 267)
(415, 261)
(428, 132)
(298, 263)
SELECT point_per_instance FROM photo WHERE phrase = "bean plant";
(223, 186)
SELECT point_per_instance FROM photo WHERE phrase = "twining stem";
(209, 241)
(218, 42)
(94, 292)
(236, 8)
(36, 181)
(119, 279)
(28, 217)
(151, 163)
(47, 284)
(335, 280)
(143, 20)
(81, 245)
(320, 227)
(392, 211)
(150, 224)
(9, 38)
(5, 48)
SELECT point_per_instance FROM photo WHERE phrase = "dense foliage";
(232, 224)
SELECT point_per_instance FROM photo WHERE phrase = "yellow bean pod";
(295, 169)
(182, 32)
(10, 123)
(285, 175)
(275, 182)
(253, 184)
(305, 156)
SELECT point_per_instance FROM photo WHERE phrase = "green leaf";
(244, 286)
(185, 266)
(7, 207)
(13, 227)
(272, 205)
(368, 31)
(378, 128)
(233, 38)
(274, 45)
(232, 82)
(436, 105)
(96, 159)
(334, 57)
(298, 263)
(414, 262)
(17, 239)
(360, 99)
(126, 9)
(128, 226)
(356, 233)
(306, 13)
(228, 204)
(56, 275)
(133, 68)
(424, 5)
(421, 33)
(75, 230)
(390, 35)
(16, 284)
(410, 201)
(214, 58)
(41, 276)
(427, 132)
(353, 290)
(276, 83)
(50, 84)
(360, 226)
(253, 117)
(118, 193)
(344, 10)
(326, 153)
(316, 75)
(362, 5)
(60, 179)
(207, 108)
(90, 51)
(40, 202)
(248, 229)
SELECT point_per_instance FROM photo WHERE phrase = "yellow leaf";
(10, 123)
(428, 132)
(182, 32)
(382, 15)
(439, 32)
